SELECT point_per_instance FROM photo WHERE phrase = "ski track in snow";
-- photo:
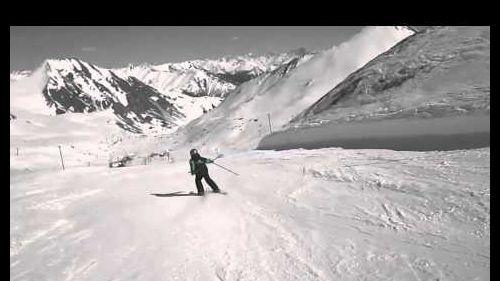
(327, 214)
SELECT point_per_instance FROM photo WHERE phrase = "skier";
(198, 168)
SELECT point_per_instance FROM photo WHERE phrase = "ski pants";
(210, 182)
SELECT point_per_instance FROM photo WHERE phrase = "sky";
(118, 46)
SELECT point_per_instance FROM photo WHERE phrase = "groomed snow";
(327, 214)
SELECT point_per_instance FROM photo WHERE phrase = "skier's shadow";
(173, 194)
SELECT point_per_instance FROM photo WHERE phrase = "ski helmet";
(193, 152)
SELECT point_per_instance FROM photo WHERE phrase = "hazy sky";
(117, 46)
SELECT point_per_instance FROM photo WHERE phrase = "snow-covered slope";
(84, 139)
(328, 214)
(442, 72)
(241, 120)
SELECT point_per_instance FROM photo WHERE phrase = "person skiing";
(198, 168)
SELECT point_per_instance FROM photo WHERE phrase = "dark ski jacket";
(197, 165)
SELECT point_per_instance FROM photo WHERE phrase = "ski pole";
(225, 168)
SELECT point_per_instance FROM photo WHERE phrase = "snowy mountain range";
(145, 98)
(204, 77)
